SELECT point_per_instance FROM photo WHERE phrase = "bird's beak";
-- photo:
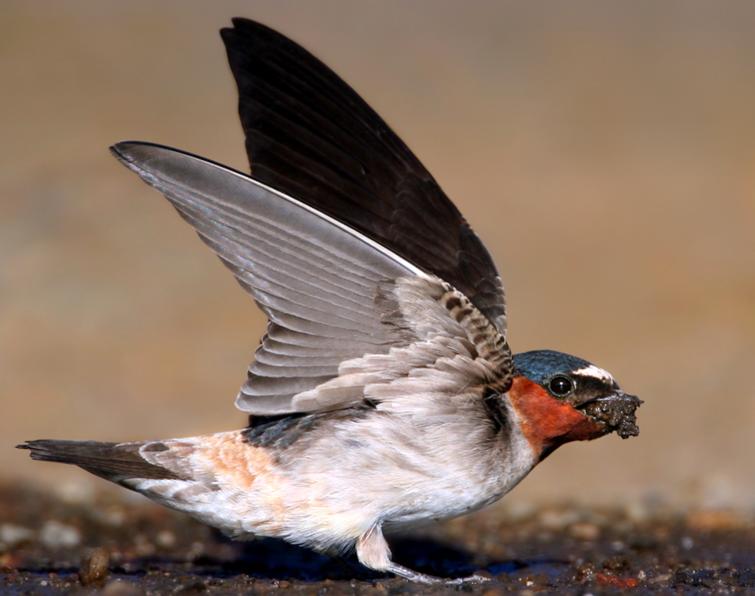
(615, 411)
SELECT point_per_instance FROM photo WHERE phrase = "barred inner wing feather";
(453, 343)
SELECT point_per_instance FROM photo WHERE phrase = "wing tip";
(133, 155)
(239, 23)
(130, 152)
(243, 25)
(120, 150)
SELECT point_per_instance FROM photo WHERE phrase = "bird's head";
(561, 398)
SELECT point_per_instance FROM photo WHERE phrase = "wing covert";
(454, 354)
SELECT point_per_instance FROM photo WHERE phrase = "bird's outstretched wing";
(347, 315)
(311, 136)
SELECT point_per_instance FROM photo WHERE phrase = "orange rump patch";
(236, 461)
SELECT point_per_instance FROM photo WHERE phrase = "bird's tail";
(202, 476)
(117, 462)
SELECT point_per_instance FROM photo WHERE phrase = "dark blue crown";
(540, 365)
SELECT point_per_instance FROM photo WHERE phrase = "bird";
(383, 393)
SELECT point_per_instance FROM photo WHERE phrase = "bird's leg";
(373, 552)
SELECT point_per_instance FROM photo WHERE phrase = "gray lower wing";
(315, 278)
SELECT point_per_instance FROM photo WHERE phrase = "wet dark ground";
(121, 547)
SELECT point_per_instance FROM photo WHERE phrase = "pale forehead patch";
(595, 372)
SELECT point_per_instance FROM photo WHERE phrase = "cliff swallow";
(384, 392)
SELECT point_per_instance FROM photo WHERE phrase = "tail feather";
(113, 461)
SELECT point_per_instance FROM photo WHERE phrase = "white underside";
(341, 487)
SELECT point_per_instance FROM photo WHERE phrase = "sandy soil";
(122, 547)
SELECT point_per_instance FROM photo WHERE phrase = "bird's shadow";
(274, 559)
(270, 558)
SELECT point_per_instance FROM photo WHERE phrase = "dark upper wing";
(311, 136)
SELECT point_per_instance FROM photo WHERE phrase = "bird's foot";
(423, 578)
(373, 552)
(470, 579)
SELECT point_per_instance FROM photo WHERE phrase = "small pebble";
(57, 535)
(637, 511)
(618, 546)
(715, 519)
(111, 516)
(76, 493)
(117, 587)
(94, 567)
(584, 531)
(661, 578)
(11, 534)
(197, 587)
(584, 573)
(616, 564)
(556, 520)
(143, 546)
(520, 510)
(165, 539)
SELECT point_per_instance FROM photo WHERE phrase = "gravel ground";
(122, 546)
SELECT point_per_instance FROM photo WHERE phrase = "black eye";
(561, 385)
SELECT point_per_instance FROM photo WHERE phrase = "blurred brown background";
(604, 151)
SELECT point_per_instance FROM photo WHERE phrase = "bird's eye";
(561, 385)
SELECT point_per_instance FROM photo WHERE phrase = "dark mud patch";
(123, 547)
(617, 413)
